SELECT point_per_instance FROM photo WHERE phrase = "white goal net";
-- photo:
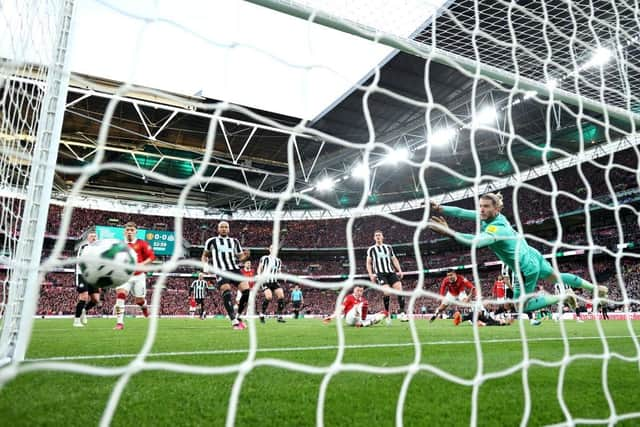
(309, 126)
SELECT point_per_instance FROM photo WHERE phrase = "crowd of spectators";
(608, 186)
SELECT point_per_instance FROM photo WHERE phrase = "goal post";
(43, 125)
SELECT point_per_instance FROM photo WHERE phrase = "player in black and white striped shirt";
(384, 268)
(198, 290)
(270, 266)
(224, 253)
(88, 295)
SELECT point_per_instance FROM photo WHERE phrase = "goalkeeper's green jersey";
(505, 242)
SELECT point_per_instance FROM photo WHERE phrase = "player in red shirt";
(452, 290)
(498, 290)
(137, 284)
(246, 271)
(355, 309)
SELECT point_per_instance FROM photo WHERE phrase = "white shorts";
(137, 286)
(500, 300)
(354, 315)
(449, 299)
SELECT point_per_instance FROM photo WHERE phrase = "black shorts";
(509, 293)
(83, 286)
(271, 286)
(199, 301)
(297, 304)
(226, 280)
(387, 278)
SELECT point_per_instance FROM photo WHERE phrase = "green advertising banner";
(162, 242)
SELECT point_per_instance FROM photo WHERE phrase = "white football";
(107, 263)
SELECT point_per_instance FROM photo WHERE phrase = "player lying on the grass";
(355, 309)
(497, 233)
(452, 290)
(484, 319)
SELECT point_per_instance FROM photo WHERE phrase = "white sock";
(120, 310)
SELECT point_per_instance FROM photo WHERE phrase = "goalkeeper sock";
(244, 299)
(576, 282)
(401, 303)
(90, 305)
(265, 304)
(385, 300)
(79, 308)
(280, 306)
(228, 304)
(120, 297)
(536, 303)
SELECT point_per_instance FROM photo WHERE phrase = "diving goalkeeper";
(497, 233)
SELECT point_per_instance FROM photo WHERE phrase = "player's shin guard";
(244, 299)
(280, 306)
(386, 300)
(536, 303)
(120, 298)
(79, 307)
(228, 304)
(575, 281)
(365, 310)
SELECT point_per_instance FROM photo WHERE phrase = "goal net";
(309, 126)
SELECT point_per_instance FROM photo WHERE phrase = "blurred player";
(248, 272)
(452, 289)
(384, 268)
(498, 291)
(88, 295)
(270, 266)
(137, 284)
(297, 300)
(192, 307)
(355, 309)
(198, 290)
(497, 233)
(484, 319)
(223, 253)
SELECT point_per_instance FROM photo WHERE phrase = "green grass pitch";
(274, 396)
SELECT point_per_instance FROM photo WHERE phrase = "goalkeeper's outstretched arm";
(454, 211)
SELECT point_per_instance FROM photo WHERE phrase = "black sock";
(79, 308)
(401, 303)
(385, 301)
(296, 312)
(265, 304)
(201, 309)
(280, 306)
(228, 305)
(90, 305)
(244, 299)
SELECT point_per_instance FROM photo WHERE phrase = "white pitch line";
(316, 348)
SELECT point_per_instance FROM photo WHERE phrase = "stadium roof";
(163, 132)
